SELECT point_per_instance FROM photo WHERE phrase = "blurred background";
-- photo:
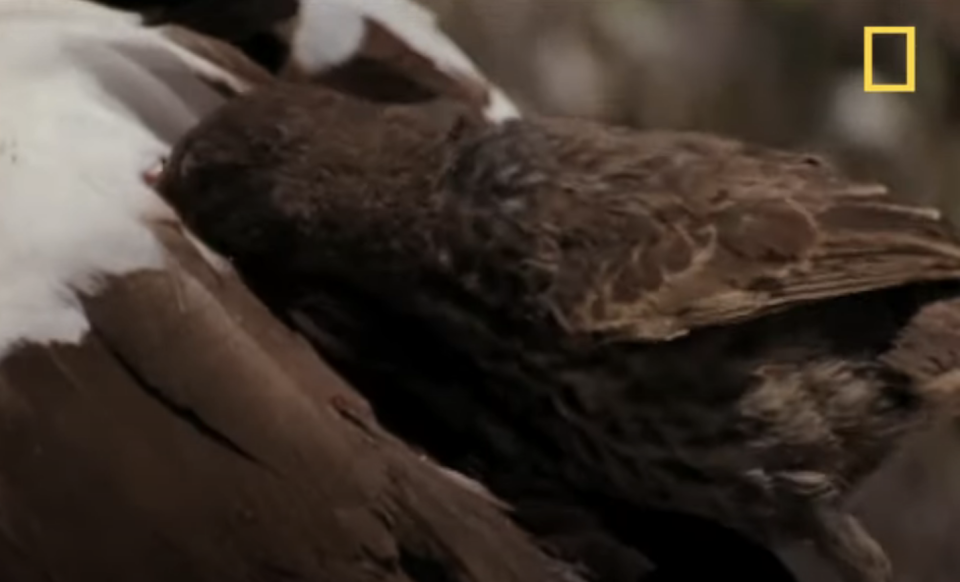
(780, 72)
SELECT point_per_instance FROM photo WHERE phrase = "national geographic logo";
(910, 85)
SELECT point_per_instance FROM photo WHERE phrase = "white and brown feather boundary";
(90, 99)
(336, 37)
(158, 422)
(189, 436)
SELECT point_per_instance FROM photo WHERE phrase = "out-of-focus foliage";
(781, 72)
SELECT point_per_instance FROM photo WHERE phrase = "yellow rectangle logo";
(911, 33)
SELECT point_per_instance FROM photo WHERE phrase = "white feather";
(89, 100)
(65, 11)
(500, 108)
(330, 32)
(327, 34)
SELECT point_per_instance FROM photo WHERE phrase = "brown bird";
(644, 320)
(157, 423)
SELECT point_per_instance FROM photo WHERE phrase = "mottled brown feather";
(650, 235)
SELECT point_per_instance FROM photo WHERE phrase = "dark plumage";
(190, 437)
(642, 320)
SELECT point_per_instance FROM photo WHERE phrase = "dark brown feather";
(190, 437)
(643, 320)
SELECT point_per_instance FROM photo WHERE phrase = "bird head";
(299, 171)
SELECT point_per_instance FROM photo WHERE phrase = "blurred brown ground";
(780, 72)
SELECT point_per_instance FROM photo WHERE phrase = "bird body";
(92, 98)
(158, 423)
(655, 320)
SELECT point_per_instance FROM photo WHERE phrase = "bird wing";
(158, 423)
(90, 100)
(188, 435)
(386, 50)
(377, 46)
(650, 235)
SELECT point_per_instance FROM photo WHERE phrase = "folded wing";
(651, 235)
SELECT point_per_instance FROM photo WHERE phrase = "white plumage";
(89, 99)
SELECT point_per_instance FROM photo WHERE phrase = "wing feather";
(650, 235)
(90, 99)
(338, 40)
(191, 436)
